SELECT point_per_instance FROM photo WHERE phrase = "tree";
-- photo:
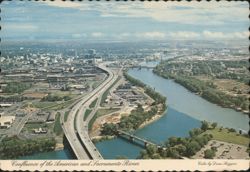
(195, 132)
(172, 141)
(173, 153)
(209, 154)
(192, 148)
(151, 150)
(108, 129)
(214, 125)
(204, 125)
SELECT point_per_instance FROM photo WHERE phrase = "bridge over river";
(135, 139)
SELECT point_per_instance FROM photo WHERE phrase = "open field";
(226, 136)
(31, 126)
(101, 112)
(66, 114)
(93, 103)
(87, 112)
(57, 126)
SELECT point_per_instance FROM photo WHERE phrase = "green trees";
(176, 147)
(13, 147)
(57, 125)
(151, 152)
(53, 98)
(192, 147)
(16, 87)
(214, 125)
(131, 122)
(93, 103)
(194, 132)
(207, 89)
(109, 129)
(148, 90)
(136, 118)
(209, 153)
(204, 125)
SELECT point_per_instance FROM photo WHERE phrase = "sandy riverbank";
(59, 146)
(115, 118)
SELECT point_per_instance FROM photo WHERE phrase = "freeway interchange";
(76, 129)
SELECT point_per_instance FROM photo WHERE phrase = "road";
(76, 130)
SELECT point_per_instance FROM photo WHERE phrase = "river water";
(185, 111)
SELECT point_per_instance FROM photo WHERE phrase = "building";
(40, 131)
(6, 121)
(51, 117)
(5, 105)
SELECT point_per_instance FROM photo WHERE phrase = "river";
(185, 111)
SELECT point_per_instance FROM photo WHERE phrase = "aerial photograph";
(107, 80)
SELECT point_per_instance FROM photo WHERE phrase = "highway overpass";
(76, 130)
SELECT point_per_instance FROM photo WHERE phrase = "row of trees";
(53, 98)
(148, 90)
(13, 147)
(14, 98)
(16, 87)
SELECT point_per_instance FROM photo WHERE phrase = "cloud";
(151, 35)
(181, 35)
(64, 4)
(184, 35)
(19, 27)
(220, 35)
(198, 13)
(97, 34)
(78, 35)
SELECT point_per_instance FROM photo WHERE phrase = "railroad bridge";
(135, 139)
(141, 66)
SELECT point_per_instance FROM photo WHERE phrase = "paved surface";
(76, 130)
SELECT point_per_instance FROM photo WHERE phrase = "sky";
(123, 21)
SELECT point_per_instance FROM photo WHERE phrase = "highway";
(76, 130)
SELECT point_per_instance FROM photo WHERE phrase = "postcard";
(124, 85)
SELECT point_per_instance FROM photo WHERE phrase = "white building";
(6, 121)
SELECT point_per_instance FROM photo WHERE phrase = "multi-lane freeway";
(76, 129)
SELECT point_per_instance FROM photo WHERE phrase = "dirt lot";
(109, 118)
(224, 150)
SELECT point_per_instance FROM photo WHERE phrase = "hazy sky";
(123, 21)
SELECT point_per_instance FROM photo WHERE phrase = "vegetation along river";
(185, 111)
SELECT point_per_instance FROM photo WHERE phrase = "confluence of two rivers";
(185, 111)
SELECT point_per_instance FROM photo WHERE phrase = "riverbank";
(185, 111)
(13, 147)
(219, 86)
(209, 93)
(153, 119)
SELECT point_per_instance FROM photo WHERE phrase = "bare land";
(224, 150)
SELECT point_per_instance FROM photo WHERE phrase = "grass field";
(43, 104)
(66, 116)
(57, 125)
(75, 119)
(53, 105)
(31, 126)
(87, 112)
(93, 103)
(230, 137)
